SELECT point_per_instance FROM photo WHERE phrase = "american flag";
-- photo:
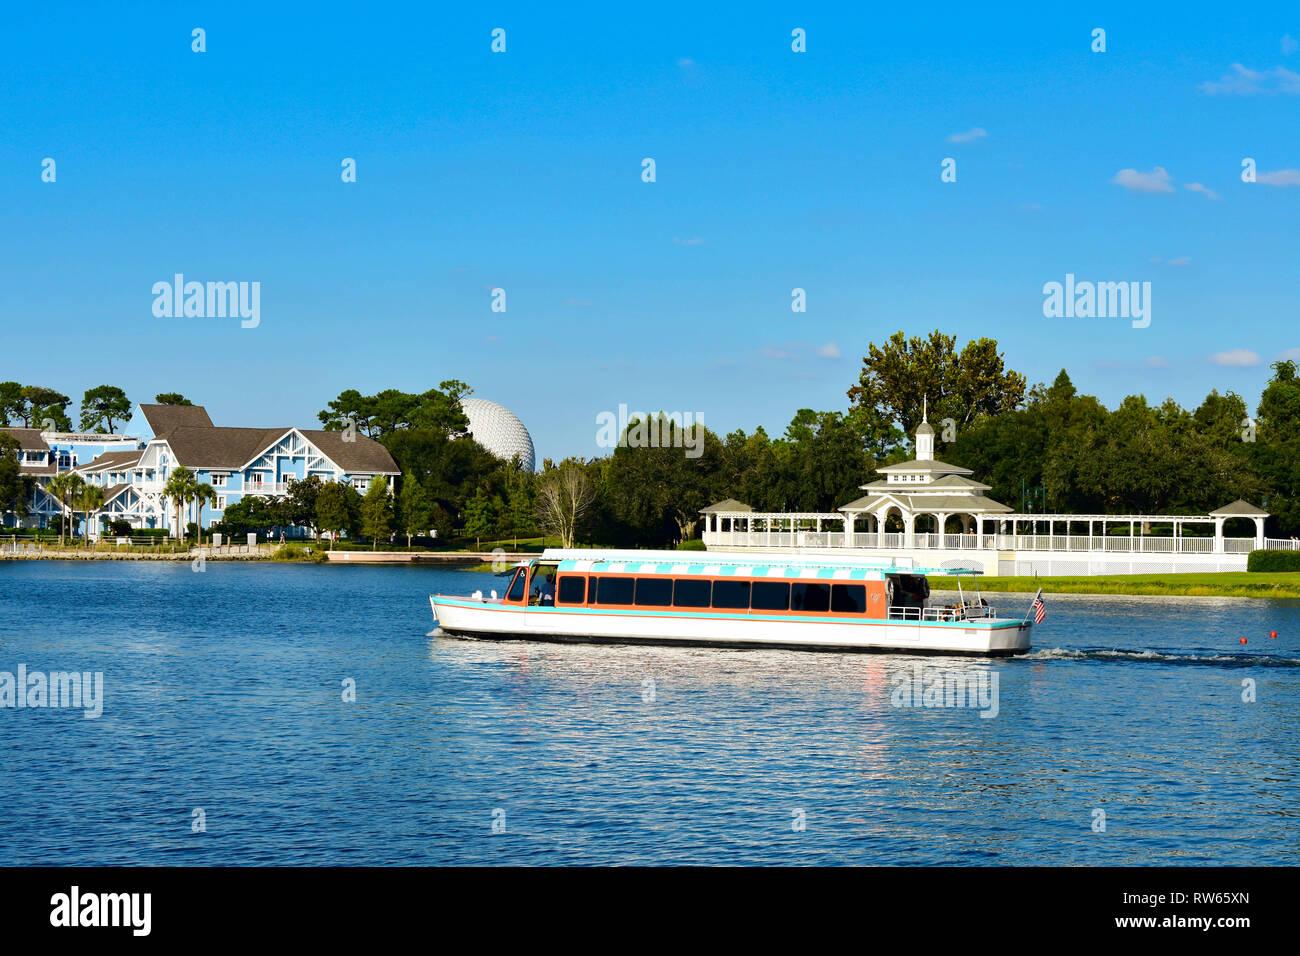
(1037, 608)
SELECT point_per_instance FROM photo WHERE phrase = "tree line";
(1041, 448)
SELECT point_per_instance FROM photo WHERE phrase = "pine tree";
(376, 511)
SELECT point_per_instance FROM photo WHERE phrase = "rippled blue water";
(223, 692)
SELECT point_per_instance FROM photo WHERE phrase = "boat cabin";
(735, 587)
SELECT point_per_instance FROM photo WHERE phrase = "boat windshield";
(542, 592)
(516, 591)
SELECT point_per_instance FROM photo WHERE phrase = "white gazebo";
(923, 487)
(925, 496)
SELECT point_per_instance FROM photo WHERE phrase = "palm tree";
(202, 494)
(180, 489)
(65, 488)
(90, 499)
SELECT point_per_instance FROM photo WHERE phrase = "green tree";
(64, 488)
(337, 508)
(101, 405)
(89, 500)
(376, 511)
(417, 513)
(15, 487)
(904, 374)
(517, 511)
(480, 516)
(650, 489)
(171, 398)
(41, 405)
(180, 487)
(1279, 405)
(300, 503)
(202, 494)
(13, 406)
(391, 410)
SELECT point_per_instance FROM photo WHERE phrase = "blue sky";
(522, 170)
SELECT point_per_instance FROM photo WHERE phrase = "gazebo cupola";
(924, 438)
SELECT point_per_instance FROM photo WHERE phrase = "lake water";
(223, 692)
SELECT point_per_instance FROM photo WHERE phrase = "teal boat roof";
(698, 567)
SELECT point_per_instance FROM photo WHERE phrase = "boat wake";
(1208, 657)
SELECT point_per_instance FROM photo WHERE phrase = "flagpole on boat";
(1031, 606)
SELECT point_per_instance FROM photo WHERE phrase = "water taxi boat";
(713, 598)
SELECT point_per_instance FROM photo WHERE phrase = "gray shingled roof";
(211, 447)
(164, 418)
(220, 447)
(865, 503)
(363, 454)
(727, 504)
(1240, 509)
(956, 481)
(925, 504)
(112, 459)
(113, 491)
(29, 439)
(930, 467)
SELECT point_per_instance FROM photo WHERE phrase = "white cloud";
(1235, 358)
(1242, 81)
(686, 63)
(1156, 181)
(578, 303)
(693, 241)
(1280, 177)
(1290, 355)
(1198, 188)
(1180, 261)
(970, 136)
(829, 350)
(1156, 361)
(1289, 45)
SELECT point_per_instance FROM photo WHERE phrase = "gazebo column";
(941, 520)
(1218, 535)
(909, 530)
(849, 529)
(1259, 532)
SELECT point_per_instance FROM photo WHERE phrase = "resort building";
(929, 513)
(234, 461)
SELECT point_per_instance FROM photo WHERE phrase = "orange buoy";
(1273, 635)
(1242, 639)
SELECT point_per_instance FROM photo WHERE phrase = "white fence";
(992, 542)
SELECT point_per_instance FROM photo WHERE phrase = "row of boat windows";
(724, 594)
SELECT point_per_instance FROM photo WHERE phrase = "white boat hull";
(493, 619)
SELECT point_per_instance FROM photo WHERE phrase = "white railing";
(261, 488)
(1281, 544)
(892, 541)
(967, 612)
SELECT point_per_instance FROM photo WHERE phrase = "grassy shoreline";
(1236, 584)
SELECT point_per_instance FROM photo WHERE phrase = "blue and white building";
(42, 455)
(235, 461)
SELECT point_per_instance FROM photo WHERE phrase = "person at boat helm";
(544, 588)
